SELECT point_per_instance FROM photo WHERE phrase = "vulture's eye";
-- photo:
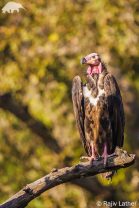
(93, 57)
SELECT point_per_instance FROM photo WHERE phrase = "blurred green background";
(40, 51)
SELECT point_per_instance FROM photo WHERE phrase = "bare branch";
(60, 176)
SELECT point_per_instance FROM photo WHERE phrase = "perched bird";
(98, 110)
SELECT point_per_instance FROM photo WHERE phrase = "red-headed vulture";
(98, 109)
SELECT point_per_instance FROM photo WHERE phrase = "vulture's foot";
(90, 159)
(106, 156)
(113, 154)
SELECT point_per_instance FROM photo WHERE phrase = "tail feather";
(108, 175)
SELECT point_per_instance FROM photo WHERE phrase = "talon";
(91, 159)
(84, 157)
(113, 154)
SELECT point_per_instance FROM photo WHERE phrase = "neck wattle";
(95, 69)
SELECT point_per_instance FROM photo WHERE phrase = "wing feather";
(116, 110)
(78, 107)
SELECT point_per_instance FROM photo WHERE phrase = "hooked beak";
(90, 61)
(83, 61)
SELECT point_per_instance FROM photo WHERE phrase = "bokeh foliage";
(40, 53)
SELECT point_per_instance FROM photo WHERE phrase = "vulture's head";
(94, 63)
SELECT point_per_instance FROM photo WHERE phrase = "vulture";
(98, 110)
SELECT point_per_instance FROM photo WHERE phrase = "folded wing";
(116, 111)
(78, 107)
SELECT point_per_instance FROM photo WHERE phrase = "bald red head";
(94, 62)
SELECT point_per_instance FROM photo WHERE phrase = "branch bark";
(60, 176)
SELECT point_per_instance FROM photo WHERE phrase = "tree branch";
(60, 176)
